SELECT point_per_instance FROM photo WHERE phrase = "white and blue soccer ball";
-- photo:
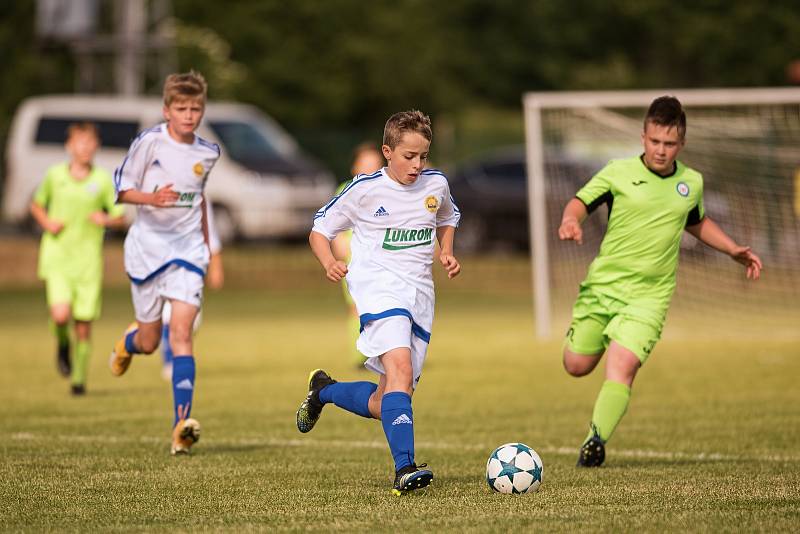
(514, 468)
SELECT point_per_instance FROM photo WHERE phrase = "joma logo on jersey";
(399, 239)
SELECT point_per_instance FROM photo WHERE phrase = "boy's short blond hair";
(406, 121)
(179, 86)
(83, 127)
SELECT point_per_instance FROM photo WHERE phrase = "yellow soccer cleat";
(120, 358)
(186, 434)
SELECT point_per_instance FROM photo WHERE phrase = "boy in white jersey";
(396, 214)
(166, 249)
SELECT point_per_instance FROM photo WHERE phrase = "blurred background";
(294, 87)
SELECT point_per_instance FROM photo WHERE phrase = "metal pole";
(537, 219)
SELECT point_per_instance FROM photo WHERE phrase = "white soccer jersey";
(394, 233)
(160, 237)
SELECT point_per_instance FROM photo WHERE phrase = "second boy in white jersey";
(396, 214)
(166, 249)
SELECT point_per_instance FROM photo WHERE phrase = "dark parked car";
(492, 194)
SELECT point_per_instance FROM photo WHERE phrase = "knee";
(579, 365)
(575, 369)
(60, 315)
(147, 345)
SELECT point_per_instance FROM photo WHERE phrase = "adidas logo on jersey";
(184, 384)
(402, 419)
(381, 212)
(156, 163)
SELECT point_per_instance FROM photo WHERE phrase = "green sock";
(80, 362)
(610, 406)
(353, 325)
(62, 333)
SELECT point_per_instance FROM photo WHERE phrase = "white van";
(262, 186)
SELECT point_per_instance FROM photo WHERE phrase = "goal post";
(745, 142)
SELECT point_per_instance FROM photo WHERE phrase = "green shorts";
(598, 319)
(84, 297)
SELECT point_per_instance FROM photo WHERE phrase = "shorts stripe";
(180, 263)
(416, 329)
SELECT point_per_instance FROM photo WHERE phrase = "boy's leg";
(397, 419)
(60, 315)
(80, 365)
(139, 338)
(634, 332)
(143, 335)
(186, 431)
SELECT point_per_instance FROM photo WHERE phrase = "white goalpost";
(745, 142)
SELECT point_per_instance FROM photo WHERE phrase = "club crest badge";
(683, 189)
(199, 170)
(432, 204)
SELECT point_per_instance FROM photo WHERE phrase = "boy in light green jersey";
(623, 301)
(73, 205)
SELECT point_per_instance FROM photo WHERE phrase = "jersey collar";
(662, 176)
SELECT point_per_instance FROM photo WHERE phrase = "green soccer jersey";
(77, 250)
(638, 258)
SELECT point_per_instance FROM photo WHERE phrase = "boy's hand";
(450, 264)
(570, 229)
(53, 226)
(165, 197)
(336, 270)
(100, 218)
(746, 257)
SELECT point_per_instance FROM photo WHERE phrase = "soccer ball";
(514, 468)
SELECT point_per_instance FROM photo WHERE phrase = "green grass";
(709, 442)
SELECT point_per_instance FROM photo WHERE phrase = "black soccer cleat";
(62, 360)
(78, 390)
(311, 408)
(411, 477)
(593, 451)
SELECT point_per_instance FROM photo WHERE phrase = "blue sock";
(398, 425)
(182, 383)
(166, 348)
(130, 346)
(350, 396)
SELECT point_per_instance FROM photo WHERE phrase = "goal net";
(745, 142)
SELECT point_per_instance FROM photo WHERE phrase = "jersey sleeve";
(337, 215)
(130, 174)
(45, 190)
(698, 212)
(597, 190)
(448, 214)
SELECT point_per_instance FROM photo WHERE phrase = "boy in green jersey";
(623, 301)
(74, 204)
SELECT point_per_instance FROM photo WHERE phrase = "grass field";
(709, 442)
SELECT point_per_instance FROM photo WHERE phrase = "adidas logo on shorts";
(402, 419)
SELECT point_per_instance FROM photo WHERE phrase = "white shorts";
(382, 335)
(175, 283)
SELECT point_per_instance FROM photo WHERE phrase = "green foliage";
(336, 70)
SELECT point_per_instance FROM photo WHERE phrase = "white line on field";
(345, 444)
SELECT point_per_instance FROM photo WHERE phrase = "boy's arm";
(335, 270)
(712, 235)
(446, 235)
(575, 213)
(161, 198)
(48, 225)
(101, 218)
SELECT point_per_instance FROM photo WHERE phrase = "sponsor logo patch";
(400, 239)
